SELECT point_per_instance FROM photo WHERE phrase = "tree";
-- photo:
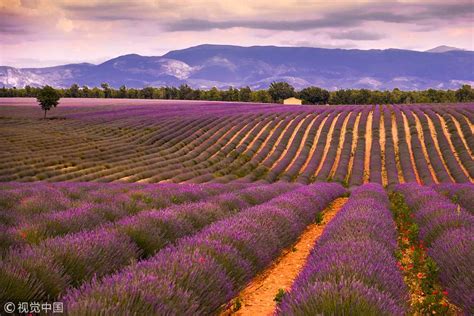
(261, 96)
(280, 91)
(107, 91)
(214, 94)
(244, 94)
(85, 91)
(147, 93)
(465, 93)
(185, 92)
(48, 98)
(314, 95)
(122, 92)
(73, 91)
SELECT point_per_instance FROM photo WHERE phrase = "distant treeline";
(275, 93)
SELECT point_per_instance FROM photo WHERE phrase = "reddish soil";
(328, 143)
(355, 136)
(290, 141)
(303, 142)
(368, 146)
(451, 146)
(382, 149)
(410, 150)
(395, 147)
(339, 147)
(421, 136)
(257, 297)
(315, 142)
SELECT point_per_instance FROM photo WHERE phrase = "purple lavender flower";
(352, 268)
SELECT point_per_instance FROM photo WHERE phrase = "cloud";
(107, 11)
(357, 35)
(318, 44)
(300, 25)
(13, 23)
(410, 13)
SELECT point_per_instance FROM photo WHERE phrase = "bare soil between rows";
(258, 297)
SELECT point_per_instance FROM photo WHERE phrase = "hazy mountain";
(443, 49)
(206, 66)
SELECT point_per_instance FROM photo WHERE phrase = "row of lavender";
(53, 264)
(187, 129)
(459, 193)
(225, 144)
(448, 231)
(30, 213)
(204, 271)
(352, 269)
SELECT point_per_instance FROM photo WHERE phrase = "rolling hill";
(222, 66)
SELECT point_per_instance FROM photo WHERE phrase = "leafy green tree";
(245, 94)
(97, 93)
(170, 93)
(465, 94)
(314, 95)
(147, 93)
(185, 92)
(261, 96)
(86, 92)
(280, 91)
(214, 94)
(106, 88)
(122, 93)
(73, 91)
(48, 98)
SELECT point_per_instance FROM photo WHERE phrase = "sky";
(38, 33)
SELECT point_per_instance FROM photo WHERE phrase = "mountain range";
(205, 66)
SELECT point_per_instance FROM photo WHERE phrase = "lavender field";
(173, 141)
(186, 208)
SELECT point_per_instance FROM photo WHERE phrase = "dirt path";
(290, 141)
(328, 143)
(382, 141)
(355, 136)
(471, 126)
(280, 138)
(303, 143)
(461, 135)
(451, 146)
(368, 146)
(237, 133)
(436, 144)
(421, 136)
(257, 297)
(262, 130)
(406, 126)
(248, 133)
(315, 142)
(401, 179)
(340, 144)
(270, 134)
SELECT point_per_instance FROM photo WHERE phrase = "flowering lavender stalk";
(204, 271)
(58, 263)
(352, 269)
(448, 232)
(102, 205)
(111, 247)
(460, 193)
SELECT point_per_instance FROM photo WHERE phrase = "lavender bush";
(206, 270)
(98, 252)
(352, 269)
(447, 230)
(459, 193)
